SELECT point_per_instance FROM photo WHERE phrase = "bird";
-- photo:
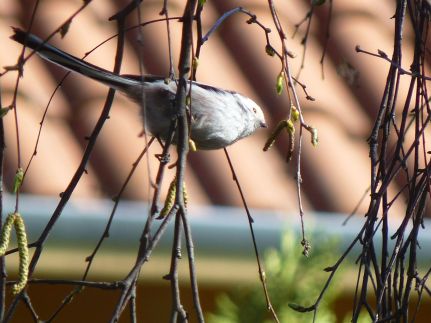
(218, 117)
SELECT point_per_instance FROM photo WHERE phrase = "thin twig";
(177, 307)
(256, 252)
(3, 274)
(192, 268)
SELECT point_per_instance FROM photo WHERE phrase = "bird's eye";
(254, 110)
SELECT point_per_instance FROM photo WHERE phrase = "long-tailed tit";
(218, 117)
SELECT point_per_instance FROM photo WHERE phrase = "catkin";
(23, 254)
(170, 198)
(5, 233)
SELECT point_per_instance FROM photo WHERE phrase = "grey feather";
(218, 117)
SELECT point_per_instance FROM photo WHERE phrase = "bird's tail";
(71, 63)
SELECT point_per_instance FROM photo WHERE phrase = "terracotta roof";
(335, 174)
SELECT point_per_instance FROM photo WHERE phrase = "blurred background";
(347, 90)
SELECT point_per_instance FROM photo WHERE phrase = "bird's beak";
(263, 124)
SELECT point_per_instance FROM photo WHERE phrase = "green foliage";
(291, 278)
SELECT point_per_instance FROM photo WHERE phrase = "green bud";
(269, 50)
(279, 85)
(289, 126)
(192, 145)
(17, 182)
(188, 100)
(314, 137)
(280, 126)
(295, 113)
(195, 63)
(4, 111)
